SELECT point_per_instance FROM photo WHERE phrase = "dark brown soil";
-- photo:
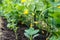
(9, 34)
(43, 34)
(6, 33)
(21, 31)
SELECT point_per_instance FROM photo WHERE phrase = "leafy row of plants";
(44, 14)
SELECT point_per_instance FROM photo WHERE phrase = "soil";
(8, 34)
(43, 34)
(20, 31)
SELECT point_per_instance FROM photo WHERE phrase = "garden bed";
(9, 34)
(30, 20)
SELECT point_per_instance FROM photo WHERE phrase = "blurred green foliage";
(47, 13)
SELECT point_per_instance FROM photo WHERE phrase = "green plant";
(45, 14)
(14, 28)
(54, 38)
(31, 33)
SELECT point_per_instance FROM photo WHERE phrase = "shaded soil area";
(8, 34)
(43, 34)
(20, 31)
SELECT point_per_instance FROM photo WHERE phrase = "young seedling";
(14, 28)
(31, 33)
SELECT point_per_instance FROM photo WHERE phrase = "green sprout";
(31, 33)
(14, 28)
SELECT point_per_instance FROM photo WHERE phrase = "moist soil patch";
(9, 34)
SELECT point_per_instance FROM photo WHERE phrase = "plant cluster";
(43, 14)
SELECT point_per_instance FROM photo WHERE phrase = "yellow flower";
(26, 12)
(58, 6)
(31, 25)
(36, 22)
(22, 1)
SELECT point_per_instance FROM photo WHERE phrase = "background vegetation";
(44, 14)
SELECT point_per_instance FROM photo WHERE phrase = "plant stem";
(16, 36)
(31, 37)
